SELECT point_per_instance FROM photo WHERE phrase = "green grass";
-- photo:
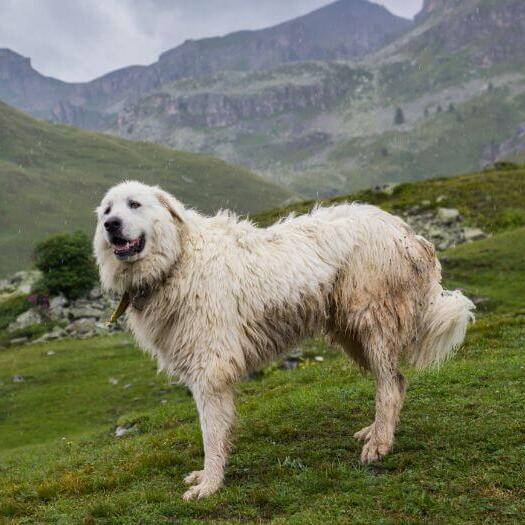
(52, 177)
(492, 269)
(458, 458)
(493, 200)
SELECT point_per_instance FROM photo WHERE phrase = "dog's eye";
(107, 210)
(134, 204)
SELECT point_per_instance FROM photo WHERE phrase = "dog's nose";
(113, 224)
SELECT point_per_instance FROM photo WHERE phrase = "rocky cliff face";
(25, 88)
(487, 32)
(216, 108)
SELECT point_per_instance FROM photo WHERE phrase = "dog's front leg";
(217, 414)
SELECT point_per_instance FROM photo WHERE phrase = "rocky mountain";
(437, 7)
(343, 29)
(311, 103)
(482, 32)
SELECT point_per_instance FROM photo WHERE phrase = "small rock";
(18, 379)
(96, 293)
(319, 358)
(480, 300)
(290, 363)
(448, 215)
(85, 312)
(56, 333)
(50, 353)
(82, 326)
(385, 189)
(125, 431)
(474, 234)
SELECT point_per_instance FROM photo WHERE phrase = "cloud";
(77, 41)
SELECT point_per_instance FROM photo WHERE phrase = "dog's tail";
(443, 328)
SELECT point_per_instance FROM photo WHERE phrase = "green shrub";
(11, 309)
(399, 117)
(67, 265)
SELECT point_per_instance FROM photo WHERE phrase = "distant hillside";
(343, 29)
(52, 177)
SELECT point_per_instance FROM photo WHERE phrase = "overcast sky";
(78, 40)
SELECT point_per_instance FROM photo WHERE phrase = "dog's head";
(138, 236)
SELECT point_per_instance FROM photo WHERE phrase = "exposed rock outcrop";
(214, 108)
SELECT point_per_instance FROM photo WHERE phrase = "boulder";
(385, 189)
(474, 234)
(85, 311)
(81, 326)
(96, 293)
(24, 281)
(6, 287)
(55, 334)
(448, 215)
(25, 320)
(58, 308)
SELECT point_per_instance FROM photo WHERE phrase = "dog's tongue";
(126, 247)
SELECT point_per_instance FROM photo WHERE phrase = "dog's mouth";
(123, 248)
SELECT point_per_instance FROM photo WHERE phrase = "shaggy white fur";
(221, 297)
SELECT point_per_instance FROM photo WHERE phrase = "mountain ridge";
(342, 29)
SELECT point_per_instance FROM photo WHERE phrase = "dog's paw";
(194, 477)
(365, 433)
(374, 451)
(202, 490)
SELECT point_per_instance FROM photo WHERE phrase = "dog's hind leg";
(382, 358)
(217, 414)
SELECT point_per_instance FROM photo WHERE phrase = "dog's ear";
(174, 207)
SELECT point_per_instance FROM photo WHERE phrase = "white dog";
(213, 298)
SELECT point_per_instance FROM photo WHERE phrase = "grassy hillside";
(52, 177)
(493, 200)
(458, 457)
(295, 460)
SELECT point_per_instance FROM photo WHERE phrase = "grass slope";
(458, 456)
(51, 178)
(493, 200)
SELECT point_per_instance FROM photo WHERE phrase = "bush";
(67, 265)
(399, 117)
